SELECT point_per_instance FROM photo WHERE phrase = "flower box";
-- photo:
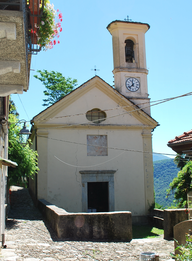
(45, 23)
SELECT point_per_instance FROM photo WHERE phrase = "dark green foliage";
(164, 172)
(180, 160)
(57, 86)
(24, 156)
(185, 250)
(182, 185)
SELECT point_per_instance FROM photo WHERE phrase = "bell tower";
(129, 58)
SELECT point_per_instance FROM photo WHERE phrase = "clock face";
(132, 84)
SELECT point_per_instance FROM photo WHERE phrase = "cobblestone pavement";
(28, 238)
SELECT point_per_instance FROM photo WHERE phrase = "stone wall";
(110, 226)
(14, 60)
(166, 219)
(171, 218)
(180, 231)
(157, 218)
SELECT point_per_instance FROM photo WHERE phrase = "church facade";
(95, 144)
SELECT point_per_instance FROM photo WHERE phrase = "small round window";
(96, 116)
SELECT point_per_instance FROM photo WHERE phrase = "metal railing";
(11, 5)
(32, 16)
(35, 14)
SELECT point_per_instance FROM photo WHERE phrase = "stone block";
(8, 30)
(171, 218)
(180, 231)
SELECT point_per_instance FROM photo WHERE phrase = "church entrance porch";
(98, 196)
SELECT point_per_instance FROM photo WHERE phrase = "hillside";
(159, 157)
(164, 172)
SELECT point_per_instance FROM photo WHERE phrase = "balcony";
(18, 19)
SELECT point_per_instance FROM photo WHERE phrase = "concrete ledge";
(108, 226)
(171, 218)
(180, 231)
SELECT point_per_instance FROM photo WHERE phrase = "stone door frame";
(97, 176)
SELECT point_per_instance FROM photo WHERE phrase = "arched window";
(96, 115)
(129, 53)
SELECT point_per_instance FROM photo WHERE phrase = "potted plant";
(45, 31)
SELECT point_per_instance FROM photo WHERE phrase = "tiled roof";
(185, 137)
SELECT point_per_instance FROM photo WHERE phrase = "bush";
(185, 250)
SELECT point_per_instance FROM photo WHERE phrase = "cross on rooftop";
(95, 70)
(128, 19)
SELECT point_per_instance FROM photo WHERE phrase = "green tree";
(24, 156)
(57, 86)
(181, 160)
(182, 185)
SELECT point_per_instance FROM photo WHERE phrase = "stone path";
(28, 238)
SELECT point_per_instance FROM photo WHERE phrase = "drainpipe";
(36, 173)
(5, 130)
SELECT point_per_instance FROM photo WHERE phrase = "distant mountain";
(164, 172)
(159, 157)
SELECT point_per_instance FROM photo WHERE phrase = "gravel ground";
(29, 238)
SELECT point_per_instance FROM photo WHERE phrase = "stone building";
(15, 57)
(95, 144)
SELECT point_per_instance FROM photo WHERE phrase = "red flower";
(54, 42)
(60, 15)
(60, 30)
(57, 10)
(61, 20)
(58, 42)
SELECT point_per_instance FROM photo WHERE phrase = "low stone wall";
(166, 219)
(157, 218)
(180, 231)
(171, 218)
(110, 226)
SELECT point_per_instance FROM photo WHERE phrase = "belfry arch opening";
(129, 51)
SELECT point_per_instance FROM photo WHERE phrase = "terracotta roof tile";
(186, 136)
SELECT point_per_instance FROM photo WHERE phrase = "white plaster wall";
(75, 112)
(64, 186)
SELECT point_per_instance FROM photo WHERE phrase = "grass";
(146, 232)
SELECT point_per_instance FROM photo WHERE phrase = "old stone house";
(16, 48)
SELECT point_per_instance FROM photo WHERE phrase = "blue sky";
(85, 42)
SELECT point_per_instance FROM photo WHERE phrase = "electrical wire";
(23, 107)
(90, 165)
(120, 107)
(138, 109)
(157, 102)
(110, 148)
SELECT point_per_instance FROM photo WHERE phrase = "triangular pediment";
(95, 93)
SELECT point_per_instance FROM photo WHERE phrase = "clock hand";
(132, 83)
